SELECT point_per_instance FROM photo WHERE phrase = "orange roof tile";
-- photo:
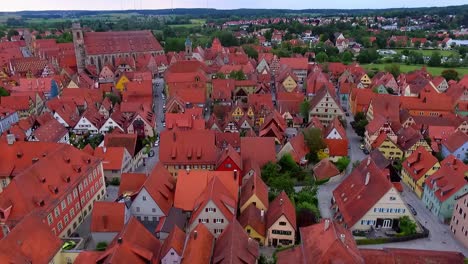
(253, 216)
(337, 147)
(399, 255)
(325, 169)
(107, 217)
(161, 186)
(128, 41)
(175, 241)
(251, 145)
(418, 163)
(52, 131)
(281, 205)
(113, 157)
(235, 247)
(359, 192)
(455, 141)
(31, 241)
(254, 186)
(130, 183)
(190, 184)
(199, 246)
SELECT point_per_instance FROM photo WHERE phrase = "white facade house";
(172, 257)
(334, 134)
(108, 125)
(145, 208)
(85, 126)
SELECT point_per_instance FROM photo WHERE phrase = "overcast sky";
(18, 5)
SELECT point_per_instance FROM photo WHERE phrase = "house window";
(138, 209)
(144, 198)
(75, 194)
(64, 205)
(65, 219)
(392, 198)
(57, 211)
(248, 231)
(282, 223)
(72, 212)
(59, 226)
(153, 210)
(218, 221)
(210, 210)
(50, 219)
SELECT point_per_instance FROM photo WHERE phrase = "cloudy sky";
(17, 5)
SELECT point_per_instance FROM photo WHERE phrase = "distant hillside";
(400, 12)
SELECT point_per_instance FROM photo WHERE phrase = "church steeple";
(188, 48)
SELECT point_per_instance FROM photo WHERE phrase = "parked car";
(362, 147)
(164, 124)
(413, 211)
(156, 144)
(69, 245)
(366, 151)
(347, 114)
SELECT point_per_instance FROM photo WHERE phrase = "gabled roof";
(52, 131)
(455, 141)
(325, 242)
(295, 63)
(407, 137)
(361, 190)
(386, 106)
(300, 148)
(229, 152)
(107, 217)
(336, 124)
(174, 241)
(120, 42)
(402, 255)
(224, 139)
(191, 184)
(217, 193)
(254, 186)
(325, 169)
(161, 186)
(281, 205)
(418, 163)
(113, 157)
(188, 147)
(31, 241)
(234, 246)
(337, 147)
(134, 244)
(199, 246)
(128, 141)
(130, 183)
(252, 216)
(449, 179)
(251, 145)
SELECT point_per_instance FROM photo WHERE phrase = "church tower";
(78, 42)
(188, 49)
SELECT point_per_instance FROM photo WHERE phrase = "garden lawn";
(408, 68)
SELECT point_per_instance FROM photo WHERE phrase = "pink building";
(459, 223)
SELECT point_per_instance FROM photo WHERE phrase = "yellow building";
(238, 113)
(254, 191)
(417, 168)
(365, 80)
(120, 84)
(289, 84)
(253, 221)
(387, 147)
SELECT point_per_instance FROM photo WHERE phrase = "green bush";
(372, 241)
(115, 182)
(101, 246)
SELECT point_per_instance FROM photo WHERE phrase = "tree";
(101, 246)
(407, 226)
(3, 92)
(321, 57)
(450, 74)
(237, 75)
(304, 110)
(268, 35)
(287, 163)
(394, 69)
(251, 52)
(313, 139)
(114, 98)
(278, 184)
(361, 127)
(342, 163)
(11, 33)
(54, 90)
(347, 57)
(220, 75)
(435, 60)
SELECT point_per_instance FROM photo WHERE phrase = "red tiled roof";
(235, 247)
(325, 169)
(174, 241)
(191, 184)
(337, 147)
(325, 242)
(399, 255)
(261, 100)
(295, 63)
(450, 178)
(107, 217)
(254, 186)
(230, 152)
(222, 89)
(134, 244)
(128, 141)
(300, 149)
(455, 141)
(52, 131)
(354, 197)
(161, 187)
(336, 124)
(253, 216)
(113, 157)
(31, 241)
(120, 42)
(418, 163)
(281, 205)
(188, 147)
(225, 138)
(386, 106)
(199, 246)
(130, 183)
(251, 145)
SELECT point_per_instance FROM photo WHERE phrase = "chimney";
(34, 160)
(173, 136)
(235, 174)
(11, 139)
(281, 201)
(367, 178)
(368, 161)
(104, 149)
(419, 156)
(342, 237)
(327, 224)
(195, 235)
(119, 240)
(262, 214)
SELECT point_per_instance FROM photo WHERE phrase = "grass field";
(193, 23)
(409, 68)
(428, 52)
